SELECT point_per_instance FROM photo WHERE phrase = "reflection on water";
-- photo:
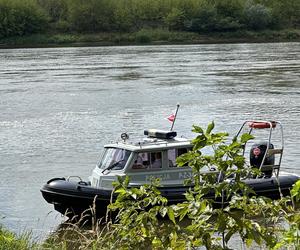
(60, 105)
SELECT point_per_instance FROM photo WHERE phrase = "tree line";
(22, 17)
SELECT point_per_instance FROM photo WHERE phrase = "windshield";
(114, 158)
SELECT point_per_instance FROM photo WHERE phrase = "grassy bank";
(11, 241)
(148, 36)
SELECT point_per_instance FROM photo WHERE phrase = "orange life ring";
(262, 124)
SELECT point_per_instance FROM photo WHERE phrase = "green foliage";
(215, 17)
(143, 36)
(290, 234)
(257, 16)
(57, 10)
(237, 210)
(10, 241)
(20, 17)
(175, 19)
(284, 13)
(205, 20)
(295, 192)
(138, 224)
(230, 8)
(123, 18)
(90, 15)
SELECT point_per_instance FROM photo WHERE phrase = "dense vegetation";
(195, 223)
(22, 17)
(11, 241)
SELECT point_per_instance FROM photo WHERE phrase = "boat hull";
(75, 199)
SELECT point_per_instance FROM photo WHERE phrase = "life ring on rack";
(258, 124)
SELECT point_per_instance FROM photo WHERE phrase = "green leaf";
(295, 192)
(171, 215)
(183, 213)
(144, 231)
(199, 142)
(197, 129)
(210, 127)
(156, 242)
(246, 137)
(163, 211)
(120, 191)
(229, 235)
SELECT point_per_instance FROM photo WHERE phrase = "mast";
(175, 117)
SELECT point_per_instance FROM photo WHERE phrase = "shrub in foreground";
(197, 222)
(10, 241)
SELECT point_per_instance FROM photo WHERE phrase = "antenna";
(178, 105)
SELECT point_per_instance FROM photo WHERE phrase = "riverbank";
(149, 37)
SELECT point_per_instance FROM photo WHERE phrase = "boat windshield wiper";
(112, 165)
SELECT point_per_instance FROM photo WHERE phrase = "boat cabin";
(153, 157)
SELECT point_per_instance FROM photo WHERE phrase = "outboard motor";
(257, 153)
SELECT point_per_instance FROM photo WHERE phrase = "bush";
(137, 225)
(143, 36)
(230, 14)
(230, 8)
(257, 16)
(20, 17)
(205, 20)
(90, 15)
(10, 241)
(190, 8)
(285, 13)
(60, 26)
(56, 9)
(227, 24)
(208, 19)
(175, 19)
(123, 18)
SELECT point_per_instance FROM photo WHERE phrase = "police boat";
(155, 157)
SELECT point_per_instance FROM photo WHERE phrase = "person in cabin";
(141, 161)
(157, 161)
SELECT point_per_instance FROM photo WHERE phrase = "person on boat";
(141, 161)
(157, 161)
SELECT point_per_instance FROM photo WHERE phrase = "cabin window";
(114, 158)
(172, 157)
(174, 153)
(148, 160)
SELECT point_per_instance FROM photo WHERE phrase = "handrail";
(271, 125)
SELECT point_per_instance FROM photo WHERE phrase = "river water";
(59, 106)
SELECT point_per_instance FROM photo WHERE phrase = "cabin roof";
(151, 144)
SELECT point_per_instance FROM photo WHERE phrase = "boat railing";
(269, 125)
